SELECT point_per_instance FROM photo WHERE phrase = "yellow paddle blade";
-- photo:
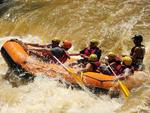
(124, 89)
(75, 76)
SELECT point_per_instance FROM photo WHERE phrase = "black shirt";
(58, 52)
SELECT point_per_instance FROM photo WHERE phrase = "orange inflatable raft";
(16, 55)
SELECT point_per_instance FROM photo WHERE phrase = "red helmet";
(67, 44)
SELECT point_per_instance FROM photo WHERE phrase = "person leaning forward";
(92, 64)
(59, 52)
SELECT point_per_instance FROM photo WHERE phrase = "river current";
(112, 22)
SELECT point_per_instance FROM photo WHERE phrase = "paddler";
(58, 52)
(121, 68)
(92, 49)
(110, 59)
(92, 65)
(61, 52)
(85, 53)
(124, 69)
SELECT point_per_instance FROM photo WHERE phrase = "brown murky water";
(112, 22)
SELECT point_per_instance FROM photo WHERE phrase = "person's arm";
(127, 72)
(36, 45)
(49, 46)
(88, 68)
(132, 51)
(82, 54)
(40, 49)
(67, 54)
(112, 63)
(82, 51)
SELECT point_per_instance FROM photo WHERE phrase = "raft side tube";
(15, 56)
(11, 64)
(16, 52)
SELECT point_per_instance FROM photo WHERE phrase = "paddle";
(74, 75)
(74, 54)
(122, 86)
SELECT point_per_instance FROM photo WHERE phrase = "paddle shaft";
(61, 63)
(74, 75)
(123, 86)
(112, 70)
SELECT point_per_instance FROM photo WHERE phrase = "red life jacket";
(88, 52)
(117, 68)
(40, 53)
(45, 53)
(63, 58)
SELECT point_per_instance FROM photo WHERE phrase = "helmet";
(55, 40)
(127, 60)
(93, 57)
(138, 38)
(67, 44)
(111, 54)
(94, 41)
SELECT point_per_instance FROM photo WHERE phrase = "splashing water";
(38, 21)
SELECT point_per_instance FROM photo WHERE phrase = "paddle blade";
(124, 89)
(76, 77)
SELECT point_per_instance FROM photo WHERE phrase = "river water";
(112, 22)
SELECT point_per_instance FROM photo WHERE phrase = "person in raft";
(92, 49)
(92, 65)
(61, 52)
(41, 51)
(124, 67)
(85, 53)
(138, 52)
(110, 59)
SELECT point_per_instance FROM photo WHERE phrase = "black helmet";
(138, 38)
